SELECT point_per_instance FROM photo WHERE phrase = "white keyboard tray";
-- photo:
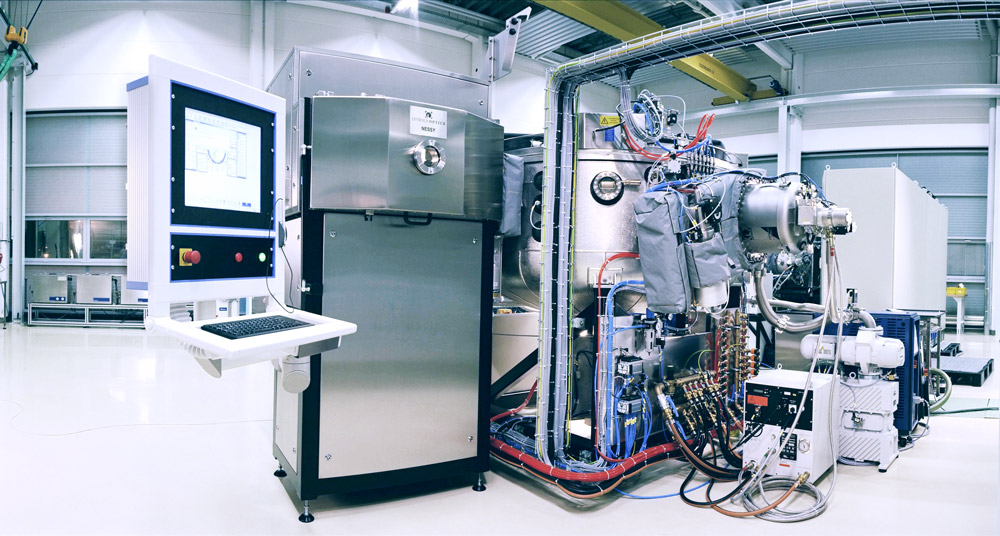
(323, 335)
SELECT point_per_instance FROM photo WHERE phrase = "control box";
(203, 202)
(771, 402)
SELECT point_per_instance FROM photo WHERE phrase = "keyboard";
(250, 327)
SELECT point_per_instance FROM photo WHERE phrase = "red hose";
(519, 408)
(602, 476)
(636, 148)
(703, 125)
(563, 474)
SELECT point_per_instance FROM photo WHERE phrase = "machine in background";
(894, 259)
(394, 198)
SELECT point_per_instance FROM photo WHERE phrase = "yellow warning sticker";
(610, 120)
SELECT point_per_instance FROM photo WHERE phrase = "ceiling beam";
(717, 75)
(775, 50)
(613, 18)
(622, 22)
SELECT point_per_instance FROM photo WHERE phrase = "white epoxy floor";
(119, 432)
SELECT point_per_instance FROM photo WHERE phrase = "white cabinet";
(896, 258)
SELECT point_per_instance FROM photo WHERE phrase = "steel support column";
(5, 197)
(15, 92)
(993, 276)
(992, 323)
(789, 139)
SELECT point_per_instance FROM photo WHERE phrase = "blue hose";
(630, 496)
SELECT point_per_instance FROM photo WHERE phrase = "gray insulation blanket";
(729, 188)
(513, 186)
(707, 262)
(661, 255)
(672, 267)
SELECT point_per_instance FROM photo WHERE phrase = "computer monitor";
(203, 162)
(221, 159)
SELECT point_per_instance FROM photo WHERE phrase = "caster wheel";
(307, 518)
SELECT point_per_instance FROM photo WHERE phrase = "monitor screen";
(221, 162)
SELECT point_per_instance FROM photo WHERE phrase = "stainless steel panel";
(310, 72)
(402, 391)
(600, 231)
(327, 73)
(483, 169)
(592, 138)
(284, 85)
(49, 289)
(286, 423)
(349, 155)
(362, 157)
(292, 251)
(93, 289)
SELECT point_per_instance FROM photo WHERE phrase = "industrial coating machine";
(642, 266)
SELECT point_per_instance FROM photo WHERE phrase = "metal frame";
(744, 28)
(87, 309)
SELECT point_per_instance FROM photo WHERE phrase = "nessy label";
(428, 122)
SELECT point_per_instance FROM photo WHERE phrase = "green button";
(262, 257)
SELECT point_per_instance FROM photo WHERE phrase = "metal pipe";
(780, 322)
(809, 307)
(867, 318)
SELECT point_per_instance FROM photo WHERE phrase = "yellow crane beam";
(622, 22)
(612, 17)
(716, 75)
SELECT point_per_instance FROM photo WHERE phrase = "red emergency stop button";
(239, 257)
(192, 256)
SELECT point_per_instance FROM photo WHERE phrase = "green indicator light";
(262, 257)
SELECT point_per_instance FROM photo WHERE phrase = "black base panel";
(402, 477)
(386, 479)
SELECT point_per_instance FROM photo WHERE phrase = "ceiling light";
(403, 6)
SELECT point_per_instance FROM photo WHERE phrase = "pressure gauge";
(804, 445)
(428, 156)
(607, 188)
